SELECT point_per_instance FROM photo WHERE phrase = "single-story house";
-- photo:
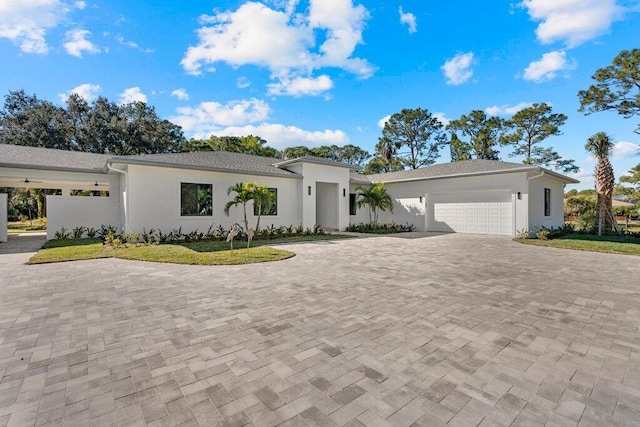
(189, 190)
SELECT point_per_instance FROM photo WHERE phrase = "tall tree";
(530, 126)
(101, 127)
(414, 136)
(353, 155)
(600, 145)
(263, 199)
(295, 152)
(483, 134)
(459, 150)
(617, 87)
(244, 194)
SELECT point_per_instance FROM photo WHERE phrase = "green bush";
(389, 228)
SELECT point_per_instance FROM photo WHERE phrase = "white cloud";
(383, 121)
(441, 117)
(25, 22)
(248, 117)
(281, 136)
(624, 149)
(547, 67)
(572, 21)
(120, 39)
(132, 94)
(80, 4)
(181, 94)
(299, 86)
(243, 82)
(282, 41)
(507, 110)
(87, 91)
(408, 19)
(458, 70)
(209, 116)
(76, 42)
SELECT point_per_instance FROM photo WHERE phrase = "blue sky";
(325, 71)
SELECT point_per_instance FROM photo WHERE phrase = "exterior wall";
(536, 203)
(316, 173)
(153, 195)
(407, 207)
(76, 211)
(3, 218)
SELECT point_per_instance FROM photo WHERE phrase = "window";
(352, 203)
(547, 202)
(269, 210)
(196, 199)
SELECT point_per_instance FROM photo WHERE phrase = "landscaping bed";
(585, 242)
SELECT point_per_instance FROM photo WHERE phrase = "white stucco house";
(189, 190)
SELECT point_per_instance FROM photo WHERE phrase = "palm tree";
(244, 194)
(600, 146)
(263, 200)
(376, 198)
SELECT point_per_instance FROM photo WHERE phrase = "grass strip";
(582, 242)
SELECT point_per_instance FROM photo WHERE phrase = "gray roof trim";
(130, 161)
(51, 168)
(467, 174)
(317, 160)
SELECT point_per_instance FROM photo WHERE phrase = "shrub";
(63, 234)
(147, 237)
(525, 234)
(78, 232)
(91, 232)
(587, 222)
(105, 230)
(130, 237)
(388, 228)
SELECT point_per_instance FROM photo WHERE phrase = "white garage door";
(484, 212)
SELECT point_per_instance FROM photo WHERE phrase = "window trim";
(198, 209)
(547, 202)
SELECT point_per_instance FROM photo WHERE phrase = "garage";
(482, 212)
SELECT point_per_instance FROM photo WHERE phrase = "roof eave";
(462, 175)
(201, 168)
(318, 162)
(50, 168)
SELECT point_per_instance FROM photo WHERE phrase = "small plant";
(161, 237)
(105, 230)
(91, 232)
(130, 237)
(112, 239)
(176, 235)
(78, 232)
(542, 234)
(62, 234)
(147, 237)
(525, 233)
(381, 228)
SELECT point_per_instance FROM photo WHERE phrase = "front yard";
(583, 242)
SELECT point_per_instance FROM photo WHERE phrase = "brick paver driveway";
(443, 329)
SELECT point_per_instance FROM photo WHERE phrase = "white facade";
(496, 203)
(3, 218)
(145, 194)
(153, 198)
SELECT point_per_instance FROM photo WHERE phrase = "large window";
(352, 203)
(547, 202)
(269, 210)
(196, 199)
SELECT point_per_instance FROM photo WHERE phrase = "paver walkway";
(445, 329)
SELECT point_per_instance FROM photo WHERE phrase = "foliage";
(525, 233)
(529, 127)
(483, 133)
(381, 163)
(587, 222)
(414, 136)
(616, 88)
(100, 127)
(62, 234)
(579, 204)
(91, 232)
(263, 200)
(244, 194)
(377, 199)
(349, 154)
(391, 228)
(78, 232)
(250, 144)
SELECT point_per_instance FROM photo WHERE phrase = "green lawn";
(609, 244)
(26, 226)
(200, 253)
